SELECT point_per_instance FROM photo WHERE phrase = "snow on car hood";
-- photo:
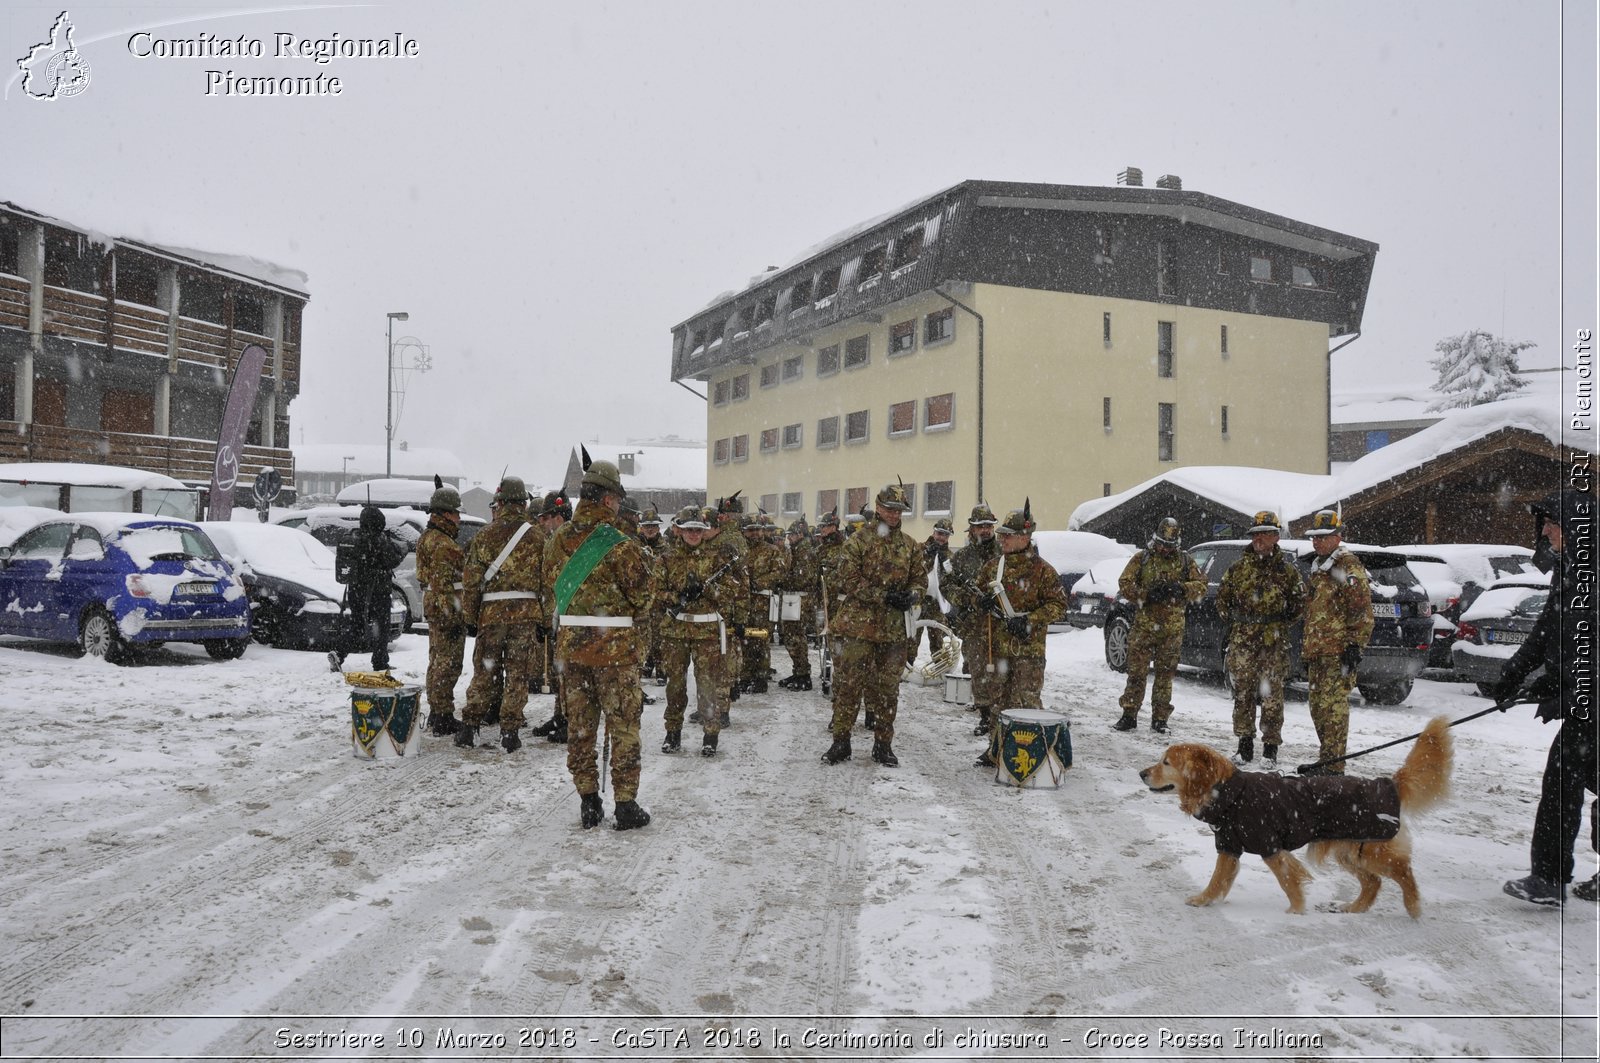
(279, 553)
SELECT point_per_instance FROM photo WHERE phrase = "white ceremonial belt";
(458, 586)
(698, 618)
(597, 621)
(506, 596)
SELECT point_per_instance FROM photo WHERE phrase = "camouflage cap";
(1017, 522)
(1266, 521)
(445, 500)
(894, 497)
(943, 525)
(605, 474)
(982, 514)
(511, 491)
(691, 518)
(1325, 522)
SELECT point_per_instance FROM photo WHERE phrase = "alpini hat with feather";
(691, 518)
(603, 474)
(982, 514)
(1325, 522)
(1018, 521)
(1266, 521)
(894, 496)
(511, 491)
(444, 499)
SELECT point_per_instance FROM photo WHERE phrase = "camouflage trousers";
(1015, 683)
(1330, 706)
(1258, 673)
(501, 660)
(710, 683)
(590, 692)
(794, 640)
(447, 647)
(1147, 647)
(867, 674)
(539, 666)
(757, 651)
(733, 660)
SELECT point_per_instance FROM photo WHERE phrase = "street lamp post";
(388, 388)
(344, 474)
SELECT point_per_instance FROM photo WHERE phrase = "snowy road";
(192, 864)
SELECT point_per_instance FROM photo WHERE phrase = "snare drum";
(384, 722)
(1035, 748)
(957, 688)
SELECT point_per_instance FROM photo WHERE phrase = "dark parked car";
(1490, 632)
(112, 581)
(1095, 593)
(1394, 657)
(295, 602)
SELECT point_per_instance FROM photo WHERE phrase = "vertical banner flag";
(235, 422)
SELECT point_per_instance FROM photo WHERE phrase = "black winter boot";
(590, 812)
(628, 815)
(758, 686)
(733, 692)
(796, 682)
(509, 740)
(1247, 750)
(1127, 722)
(443, 725)
(466, 736)
(673, 742)
(985, 722)
(883, 754)
(558, 735)
(708, 746)
(839, 751)
(546, 728)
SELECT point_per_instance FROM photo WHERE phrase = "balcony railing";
(189, 460)
(13, 302)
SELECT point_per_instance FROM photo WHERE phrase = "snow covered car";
(72, 486)
(295, 601)
(1393, 658)
(1095, 593)
(1490, 632)
(1073, 553)
(1454, 574)
(112, 581)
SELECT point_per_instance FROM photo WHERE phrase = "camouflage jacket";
(721, 589)
(1261, 596)
(766, 563)
(730, 546)
(1338, 605)
(519, 575)
(1034, 589)
(871, 565)
(961, 586)
(1148, 569)
(829, 552)
(801, 572)
(619, 586)
(440, 563)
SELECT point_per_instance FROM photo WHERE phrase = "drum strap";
(494, 566)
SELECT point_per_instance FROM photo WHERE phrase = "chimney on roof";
(1133, 177)
(1170, 181)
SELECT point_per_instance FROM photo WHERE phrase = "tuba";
(945, 660)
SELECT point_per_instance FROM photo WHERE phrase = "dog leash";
(1306, 769)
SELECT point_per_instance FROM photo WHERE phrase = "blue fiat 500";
(112, 581)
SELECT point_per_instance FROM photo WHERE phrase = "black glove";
(542, 632)
(900, 599)
(1018, 626)
(1505, 691)
(1169, 591)
(693, 589)
(957, 617)
(472, 631)
(738, 630)
(1351, 658)
(988, 603)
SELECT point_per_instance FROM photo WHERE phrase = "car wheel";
(266, 626)
(226, 649)
(1117, 629)
(1391, 693)
(98, 637)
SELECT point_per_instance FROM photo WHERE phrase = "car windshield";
(166, 542)
(1532, 605)
(1389, 575)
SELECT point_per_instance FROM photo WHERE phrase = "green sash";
(583, 561)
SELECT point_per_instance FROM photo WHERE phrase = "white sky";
(550, 187)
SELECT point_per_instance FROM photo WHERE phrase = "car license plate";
(1514, 638)
(1086, 607)
(1388, 609)
(197, 587)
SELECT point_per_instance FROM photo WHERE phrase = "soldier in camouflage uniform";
(598, 585)
(1160, 580)
(881, 576)
(1338, 625)
(440, 561)
(553, 512)
(655, 545)
(830, 545)
(693, 598)
(970, 623)
(501, 607)
(1020, 578)
(1260, 598)
(765, 563)
(726, 536)
(936, 557)
(799, 577)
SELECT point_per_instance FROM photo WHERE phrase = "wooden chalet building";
(120, 352)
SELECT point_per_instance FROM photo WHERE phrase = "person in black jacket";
(367, 592)
(1561, 643)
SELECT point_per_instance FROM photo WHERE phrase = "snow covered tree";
(1476, 367)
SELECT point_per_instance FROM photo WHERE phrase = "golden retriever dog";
(1355, 822)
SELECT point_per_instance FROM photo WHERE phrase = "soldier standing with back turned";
(440, 562)
(1160, 580)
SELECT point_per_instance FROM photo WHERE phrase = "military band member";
(765, 564)
(693, 597)
(936, 555)
(1161, 581)
(440, 563)
(1260, 598)
(967, 618)
(799, 577)
(500, 603)
(1338, 625)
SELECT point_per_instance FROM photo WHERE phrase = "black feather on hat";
(438, 482)
(584, 460)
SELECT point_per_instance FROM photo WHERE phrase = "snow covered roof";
(416, 493)
(367, 459)
(78, 474)
(1242, 489)
(1353, 408)
(656, 467)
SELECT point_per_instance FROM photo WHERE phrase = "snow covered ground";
(193, 865)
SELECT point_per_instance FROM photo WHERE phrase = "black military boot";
(545, 729)
(723, 720)
(985, 759)
(649, 699)
(985, 722)
(467, 736)
(1127, 723)
(558, 734)
(708, 746)
(443, 724)
(733, 693)
(695, 717)
(758, 686)
(1160, 727)
(883, 754)
(591, 812)
(509, 740)
(839, 751)
(1247, 750)
(673, 742)
(1269, 754)
(796, 682)
(628, 815)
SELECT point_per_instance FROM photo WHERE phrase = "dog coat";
(1255, 812)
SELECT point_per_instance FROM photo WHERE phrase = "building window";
(137, 280)
(769, 375)
(765, 310)
(908, 248)
(769, 503)
(1105, 413)
(741, 448)
(792, 504)
(827, 284)
(1167, 267)
(872, 265)
(857, 426)
(697, 343)
(857, 352)
(827, 501)
(1166, 441)
(939, 412)
(1224, 341)
(1105, 328)
(741, 387)
(937, 498)
(719, 328)
(794, 368)
(199, 298)
(1224, 422)
(855, 499)
(1304, 277)
(939, 326)
(1164, 358)
(828, 432)
(1377, 439)
(828, 360)
(769, 441)
(1260, 268)
(791, 436)
(1105, 490)
(800, 297)
(719, 393)
(719, 452)
(911, 497)
(903, 337)
(902, 419)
